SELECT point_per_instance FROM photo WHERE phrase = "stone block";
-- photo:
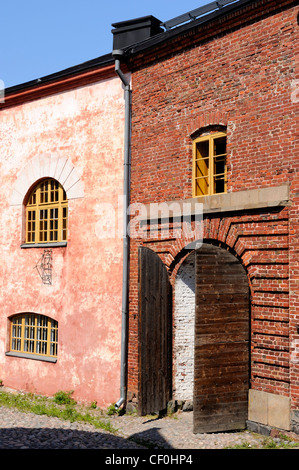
(257, 407)
(269, 409)
(279, 411)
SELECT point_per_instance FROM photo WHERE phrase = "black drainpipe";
(118, 54)
(127, 33)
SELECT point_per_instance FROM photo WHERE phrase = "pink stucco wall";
(85, 126)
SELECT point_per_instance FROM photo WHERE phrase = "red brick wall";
(242, 78)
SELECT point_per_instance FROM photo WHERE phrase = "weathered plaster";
(75, 137)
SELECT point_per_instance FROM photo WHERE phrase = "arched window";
(33, 335)
(46, 213)
(209, 164)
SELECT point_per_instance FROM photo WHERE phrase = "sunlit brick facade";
(236, 72)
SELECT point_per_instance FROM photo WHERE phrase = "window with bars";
(47, 213)
(33, 334)
(209, 164)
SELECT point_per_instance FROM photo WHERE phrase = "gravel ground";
(20, 430)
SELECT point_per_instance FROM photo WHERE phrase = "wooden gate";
(221, 373)
(154, 381)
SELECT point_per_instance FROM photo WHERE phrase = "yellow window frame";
(46, 213)
(206, 175)
(33, 334)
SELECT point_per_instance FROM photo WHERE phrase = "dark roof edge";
(135, 20)
(102, 61)
(176, 31)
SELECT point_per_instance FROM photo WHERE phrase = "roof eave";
(69, 73)
(167, 35)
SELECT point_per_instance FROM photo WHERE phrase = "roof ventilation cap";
(127, 33)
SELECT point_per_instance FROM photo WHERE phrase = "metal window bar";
(34, 334)
(44, 267)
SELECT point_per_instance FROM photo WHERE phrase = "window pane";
(54, 191)
(202, 168)
(219, 164)
(16, 334)
(202, 186)
(43, 225)
(202, 163)
(220, 146)
(219, 184)
(44, 197)
(32, 198)
(64, 223)
(202, 149)
(30, 226)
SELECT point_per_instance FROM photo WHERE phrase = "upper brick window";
(46, 213)
(209, 164)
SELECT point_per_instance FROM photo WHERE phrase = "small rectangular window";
(209, 165)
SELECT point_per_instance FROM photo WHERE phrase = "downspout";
(117, 54)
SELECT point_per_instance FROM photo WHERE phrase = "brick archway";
(183, 279)
(259, 239)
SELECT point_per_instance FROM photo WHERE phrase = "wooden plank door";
(154, 381)
(221, 374)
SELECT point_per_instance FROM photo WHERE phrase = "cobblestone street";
(20, 430)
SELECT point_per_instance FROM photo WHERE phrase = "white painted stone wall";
(184, 315)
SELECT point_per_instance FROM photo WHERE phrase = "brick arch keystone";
(208, 118)
(213, 231)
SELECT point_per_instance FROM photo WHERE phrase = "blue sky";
(38, 38)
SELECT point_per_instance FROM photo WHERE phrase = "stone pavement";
(20, 430)
(176, 432)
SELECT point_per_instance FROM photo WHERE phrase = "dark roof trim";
(102, 61)
(193, 14)
(135, 22)
(172, 33)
